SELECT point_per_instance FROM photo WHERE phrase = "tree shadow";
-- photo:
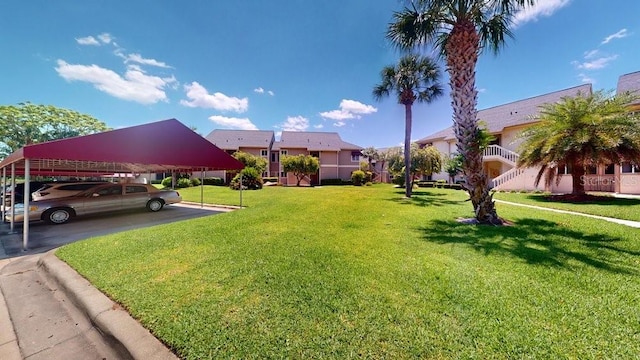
(537, 242)
(587, 200)
(425, 198)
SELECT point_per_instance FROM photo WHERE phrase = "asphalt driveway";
(44, 237)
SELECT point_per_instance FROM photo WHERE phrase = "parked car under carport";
(97, 199)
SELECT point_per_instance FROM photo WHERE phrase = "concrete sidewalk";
(48, 311)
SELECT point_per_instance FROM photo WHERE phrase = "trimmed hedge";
(329, 182)
(214, 181)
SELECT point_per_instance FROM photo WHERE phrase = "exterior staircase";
(498, 153)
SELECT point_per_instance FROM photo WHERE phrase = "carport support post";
(4, 191)
(202, 188)
(27, 198)
(241, 189)
(13, 199)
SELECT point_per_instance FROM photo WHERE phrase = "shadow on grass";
(425, 198)
(538, 242)
(590, 200)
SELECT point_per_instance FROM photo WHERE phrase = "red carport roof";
(154, 147)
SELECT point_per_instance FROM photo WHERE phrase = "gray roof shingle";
(629, 82)
(511, 114)
(313, 141)
(235, 139)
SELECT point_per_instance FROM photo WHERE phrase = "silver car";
(98, 199)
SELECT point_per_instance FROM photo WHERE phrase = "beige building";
(338, 159)
(506, 122)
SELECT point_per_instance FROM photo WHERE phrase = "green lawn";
(358, 272)
(628, 209)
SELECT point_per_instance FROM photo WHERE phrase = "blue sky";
(283, 65)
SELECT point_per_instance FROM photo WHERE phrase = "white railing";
(497, 150)
(507, 176)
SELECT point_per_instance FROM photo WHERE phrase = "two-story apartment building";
(505, 122)
(338, 158)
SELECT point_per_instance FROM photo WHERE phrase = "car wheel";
(155, 205)
(57, 216)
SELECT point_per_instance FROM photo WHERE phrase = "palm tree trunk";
(407, 150)
(577, 179)
(462, 51)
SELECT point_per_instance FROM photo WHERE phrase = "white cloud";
(619, 35)
(319, 126)
(586, 79)
(200, 97)
(295, 123)
(542, 8)
(591, 54)
(349, 109)
(598, 63)
(339, 124)
(134, 86)
(260, 90)
(137, 58)
(89, 40)
(233, 123)
(105, 38)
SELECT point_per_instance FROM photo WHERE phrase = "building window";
(274, 157)
(564, 169)
(283, 174)
(265, 174)
(355, 156)
(591, 170)
(609, 169)
(283, 152)
(263, 152)
(629, 168)
(315, 154)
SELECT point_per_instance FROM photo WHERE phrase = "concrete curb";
(123, 332)
(9, 348)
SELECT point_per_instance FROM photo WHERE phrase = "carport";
(163, 146)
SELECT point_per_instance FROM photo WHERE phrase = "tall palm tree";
(460, 30)
(414, 78)
(581, 131)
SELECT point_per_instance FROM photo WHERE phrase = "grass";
(609, 206)
(353, 272)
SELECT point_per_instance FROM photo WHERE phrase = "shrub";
(183, 183)
(332, 182)
(358, 177)
(398, 180)
(156, 182)
(195, 182)
(215, 181)
(251, 179)
(369, 183)
(166, 182)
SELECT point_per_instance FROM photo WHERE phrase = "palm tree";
(414, 78)
(460, 30)
(581, 131)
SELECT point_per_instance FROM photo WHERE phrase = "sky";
(295, 65)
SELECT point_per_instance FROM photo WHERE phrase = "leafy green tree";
(395, 165)
(414, 78)
(372, 155)
(28, 123)
(461, 30)
(300, 165)
(251, 179)
(581, 131)
(453, 166)
(425, 161)
(257, 162)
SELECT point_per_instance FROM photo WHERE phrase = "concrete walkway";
(635, 224)
(49, 311)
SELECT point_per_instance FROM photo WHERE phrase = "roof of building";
(313, 141)
(629, 82)
(512, 114)
(159, 146)
(235, 139)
